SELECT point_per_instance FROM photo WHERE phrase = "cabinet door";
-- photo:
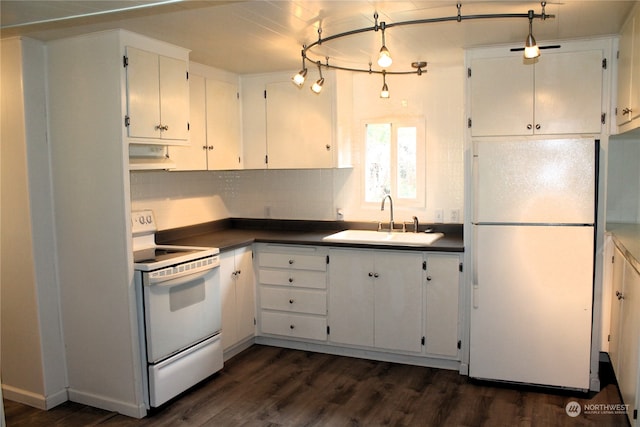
(143, 94)
(351, 301)
(441, 313)
(193, 157)
(630, 338)
(174, 98)
(245, 294)
(299, 127)
(228, 298)
(625, 58)
(398, 301)
(616, 289)
(568, 93)
(501, 96)
(223, 125)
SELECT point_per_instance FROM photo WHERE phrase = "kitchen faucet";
(388, 196)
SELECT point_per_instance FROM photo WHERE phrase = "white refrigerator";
(533, 253)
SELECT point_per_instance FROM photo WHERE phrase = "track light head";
(531, 49)
(299, 78)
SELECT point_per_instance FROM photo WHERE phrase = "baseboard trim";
(35, 400)
(108, 404)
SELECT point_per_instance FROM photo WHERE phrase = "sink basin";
(383, 238)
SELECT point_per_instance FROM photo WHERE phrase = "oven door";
(181, 312)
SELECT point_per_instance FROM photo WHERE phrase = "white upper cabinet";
(215, 142)
(628, 104)
(287, 127)
(299, 127)
(561, 93)
(157, 98)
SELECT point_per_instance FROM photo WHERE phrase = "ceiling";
(263, 36)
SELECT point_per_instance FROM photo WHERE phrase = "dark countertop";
(234, 233)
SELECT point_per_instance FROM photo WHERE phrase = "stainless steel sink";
(384, 238)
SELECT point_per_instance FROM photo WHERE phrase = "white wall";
(185, 198)
(623, 180)
(33, 366)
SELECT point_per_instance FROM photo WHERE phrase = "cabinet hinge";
(254, 321)
(127, 121)
(603, 118)
(328, 330)
(422, 341)
(188, 126)
(187, 75)
(459, 344)
(460, 268)
(618, 55)
(125, 61)
(613, 259)
(239, 159)
(327, 259)
(266, 159)
(635, 414)
(604, 63)
(469, 122)
(265, 94)
(609, 338)
(424, 265)
(468, 72)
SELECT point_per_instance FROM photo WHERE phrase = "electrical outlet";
(455, 216)
(439, 216)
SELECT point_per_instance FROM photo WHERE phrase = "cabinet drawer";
(293, 261)
(295, 300)
(294, 325)
(297, 278)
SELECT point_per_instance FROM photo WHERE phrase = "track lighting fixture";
(317, 86)
(299, 78)
(531, 49)
(384, 57)
(384, 93)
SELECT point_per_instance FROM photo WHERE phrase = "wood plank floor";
(268, 386)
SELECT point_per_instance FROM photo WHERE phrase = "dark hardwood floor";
(267, 386)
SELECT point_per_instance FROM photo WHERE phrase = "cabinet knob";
(290, 279)
(328, 147)
(158, 127)
(529, 126)
(204, 147)
(239, 271)
(290, 261)
(370, 274)
(376, 275)
(620, 295)
(291, 327)
(538, 126)
(626, 111)
(291, 301)
(210, 147)
(428, 278)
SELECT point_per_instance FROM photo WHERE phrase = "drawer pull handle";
(291, 301)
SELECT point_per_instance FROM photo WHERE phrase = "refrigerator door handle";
(474, 279)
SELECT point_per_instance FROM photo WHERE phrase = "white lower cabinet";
(441, 314)
(401, 301)
(375, 299)
(624, 344)
(293, 291)
(237, 284)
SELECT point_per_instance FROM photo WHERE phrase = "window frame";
(421, 161)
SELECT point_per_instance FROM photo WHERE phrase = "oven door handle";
(180, 278)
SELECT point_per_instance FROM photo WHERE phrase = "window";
(394, 162)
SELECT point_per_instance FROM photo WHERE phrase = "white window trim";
(420, 124)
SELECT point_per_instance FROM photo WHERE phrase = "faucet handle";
(416, 224)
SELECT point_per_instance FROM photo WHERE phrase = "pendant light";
(384, 93)
(531, 49)
(384, 58)
(317, 86)
(299, 78)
